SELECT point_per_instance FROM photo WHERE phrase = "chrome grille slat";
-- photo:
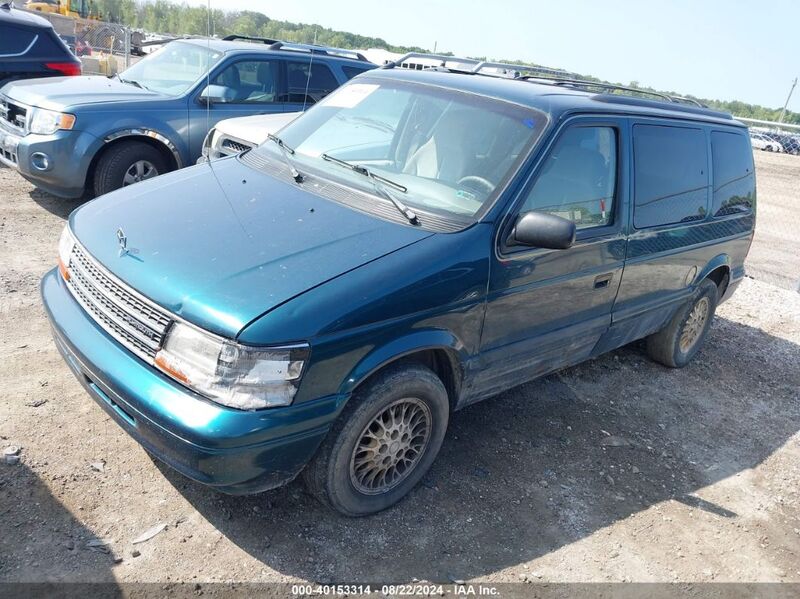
(138, 326)
(124, 299)
(113, 313)
(236, 146)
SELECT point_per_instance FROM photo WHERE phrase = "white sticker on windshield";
(350, 95)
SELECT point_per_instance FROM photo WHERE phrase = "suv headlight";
(234, 375)
(46, 122)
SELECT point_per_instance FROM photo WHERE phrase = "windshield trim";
(502, 185)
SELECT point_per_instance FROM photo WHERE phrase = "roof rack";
(565, 78)
(249, 38)
(317, 49)
(549, 76)
(511, 69)
(444, 59)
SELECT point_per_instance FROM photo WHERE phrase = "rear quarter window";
(670, 175)
(13, 40)
(734, 181)
(351, 72)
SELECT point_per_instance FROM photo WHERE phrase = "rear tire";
(676, 344)
(126, 163)
(382, 444)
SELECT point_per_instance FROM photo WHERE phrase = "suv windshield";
(173, 69)
(446, 151)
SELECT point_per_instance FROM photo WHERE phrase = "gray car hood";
(60, 93)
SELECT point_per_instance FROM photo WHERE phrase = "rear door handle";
(602, 281)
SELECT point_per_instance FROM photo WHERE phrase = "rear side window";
(734, 180)
(351, 72)
(309, 83)
(671, 182)
(14, 41)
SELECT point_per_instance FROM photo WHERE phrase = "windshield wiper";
(285, 151)
(377, 182)
(132, 82)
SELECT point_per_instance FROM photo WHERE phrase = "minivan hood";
(58, 93)
(221, 247)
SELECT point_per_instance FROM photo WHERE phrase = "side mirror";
(539, 229)
(216, 94)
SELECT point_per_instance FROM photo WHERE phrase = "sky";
(727, 50)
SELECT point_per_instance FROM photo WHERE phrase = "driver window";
(578, 178)
(251, 81)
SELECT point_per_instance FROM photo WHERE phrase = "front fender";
(416, 341)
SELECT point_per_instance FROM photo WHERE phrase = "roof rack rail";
(248, 38)
(518, 68)
(317, 49)
(561, 77)
(444, 59)
(611, 87)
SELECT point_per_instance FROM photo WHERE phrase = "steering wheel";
(481, 182)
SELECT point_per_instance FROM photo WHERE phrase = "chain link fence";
(775, 254)
(104, 48)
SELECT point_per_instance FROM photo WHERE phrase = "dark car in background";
(91, 135)
(30, 48)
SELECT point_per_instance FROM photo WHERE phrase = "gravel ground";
(614, 470)
(774, 256)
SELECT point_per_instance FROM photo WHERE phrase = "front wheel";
(676, 344)
(383, 443)
(127, 163)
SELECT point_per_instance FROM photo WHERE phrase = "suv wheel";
(676, 344)
(383, 443)
(127, 163)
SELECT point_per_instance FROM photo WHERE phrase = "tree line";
(163, 16)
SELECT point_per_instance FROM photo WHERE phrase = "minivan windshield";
(173, 69)
(441, 149)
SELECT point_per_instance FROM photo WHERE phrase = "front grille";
(13, 115)
(236, 146)
(8, 155)
(133, 321)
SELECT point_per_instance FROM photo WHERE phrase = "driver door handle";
(603, 281)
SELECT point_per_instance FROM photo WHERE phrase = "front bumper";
(234, 451)
(68, 155)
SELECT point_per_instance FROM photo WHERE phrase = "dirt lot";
(705, 486)
(774, 256)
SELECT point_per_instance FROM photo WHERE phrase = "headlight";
(65, 245)
(239, 376)
(46, 122)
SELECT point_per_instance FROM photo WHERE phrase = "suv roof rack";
(564, 78)
(557, 77)
(443, 58)
(317, 49)
(248, 38)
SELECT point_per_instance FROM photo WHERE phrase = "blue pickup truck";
(84, 136)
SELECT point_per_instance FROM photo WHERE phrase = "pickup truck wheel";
(676, 344)
(383, 443)
(127, 163)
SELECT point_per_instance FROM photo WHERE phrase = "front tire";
(127, 163)
(677, 343)
(383, 443)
